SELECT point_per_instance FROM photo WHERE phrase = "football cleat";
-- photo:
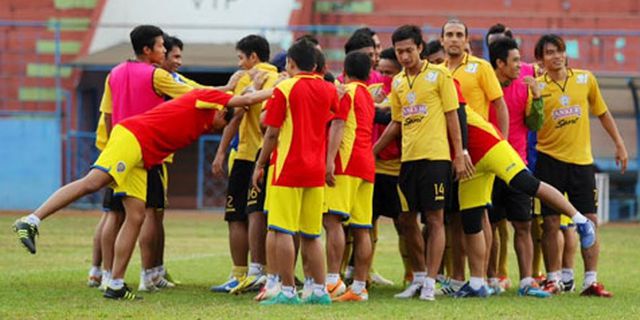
(26, 233)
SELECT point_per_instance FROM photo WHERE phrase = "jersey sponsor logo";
(582, 78)
(566, 116)
(121, 167)
(471, 68)
(432, 76)
(414, 114)
(561, 113)
(414, 110)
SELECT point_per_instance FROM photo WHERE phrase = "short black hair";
(303, 54)
(366, 30)
(357, 65)
(431, 47)
(498, 28)
(358, 41)
(407, 31)
(309, 37)
(390, 54)
(320, 61)
(144, 36)
(553, 39)
(170, 42)
(499, 50)
(254, 43)
(454, 21)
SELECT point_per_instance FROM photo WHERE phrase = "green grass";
(51, 284)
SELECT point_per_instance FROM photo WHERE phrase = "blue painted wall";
(30, 161)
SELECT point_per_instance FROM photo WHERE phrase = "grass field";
(51, 284)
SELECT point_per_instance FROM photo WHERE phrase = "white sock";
(579, 218)
(567, 275)
(116, 284)
(476, 283)
(418, 277)
(332, 278)
(33, 219)
(526, 282)
(161, 270)
(254, 269)
(441, 278)
(358, 286)
(95, 272)
(289, 291)
(554, 276)
(430, 283)
(272, 281)
(456, 284)
(319, 289)
(148, 275)
(590, 277)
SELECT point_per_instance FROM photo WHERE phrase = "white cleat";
(411, 291)
(428, 294)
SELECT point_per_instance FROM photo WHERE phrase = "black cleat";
(123, 293)
(26, 233)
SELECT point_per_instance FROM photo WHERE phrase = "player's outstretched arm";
(391, 133)
(609, 125)
(228, 133)
(249, 99)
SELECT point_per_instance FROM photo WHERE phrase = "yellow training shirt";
(565, 134)
(478, 82)
(419, 103)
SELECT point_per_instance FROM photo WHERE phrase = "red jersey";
(175, 124)
(481, 134)
(355, 156)
(301, 107)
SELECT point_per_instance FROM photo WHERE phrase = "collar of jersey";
(265, 66)
(548, 80)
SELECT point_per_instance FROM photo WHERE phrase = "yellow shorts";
(122, 160)
(565, 221)
(501, 161)
(295, 210)
(351, 198)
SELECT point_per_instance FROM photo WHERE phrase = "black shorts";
(156, 193)
(577, 181)
(255, 200)
(508, 203)
(238, 190)
(386, 201)
(111, 203)
(424, 184)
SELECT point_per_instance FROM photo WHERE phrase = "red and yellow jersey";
(479, 83)
(482, 135)
(566, 133)
(175, 124)
(355, 156)
(249, 132)
(419, 103)
(301, 107)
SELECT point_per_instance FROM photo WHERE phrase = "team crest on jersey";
(121, 166)
(471, 68)
(432, 76)
(396, 82)
(542, 85)
(411, 98)
(582, 78)
(561, 113)
(564, 100)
